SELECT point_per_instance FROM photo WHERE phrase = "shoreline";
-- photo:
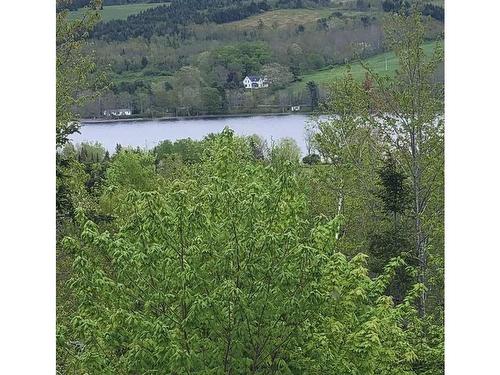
(184, 118)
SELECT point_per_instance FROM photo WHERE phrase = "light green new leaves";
(221, 273)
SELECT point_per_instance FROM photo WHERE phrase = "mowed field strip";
(281, 18)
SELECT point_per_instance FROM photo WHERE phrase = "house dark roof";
(255, 78)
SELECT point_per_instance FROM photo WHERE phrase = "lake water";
(147, 134)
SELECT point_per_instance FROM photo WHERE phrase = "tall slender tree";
(403, 114)
(313, 93)
(409, 112)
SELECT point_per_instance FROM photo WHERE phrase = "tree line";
(429, 9)
(171, 19)
(77, 4)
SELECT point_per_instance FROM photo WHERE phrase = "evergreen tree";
(313, 93)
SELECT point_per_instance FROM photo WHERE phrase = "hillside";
(384, 64)
(281, 18)
(116, 12)
(192, 55)
(74, 5)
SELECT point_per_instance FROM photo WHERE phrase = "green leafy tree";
(77, 80)
(408, 110)
(240, 60)
(211, 100)
(278, 75)
(129, 170)
(402, 114)
(186, 93)
(353, 151)
(223, 273)
(286, 150)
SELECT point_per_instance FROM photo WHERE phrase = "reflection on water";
(147, 134)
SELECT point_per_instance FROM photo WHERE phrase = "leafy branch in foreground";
(222, 273)
(76, 72)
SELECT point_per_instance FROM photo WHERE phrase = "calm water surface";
(147, 134)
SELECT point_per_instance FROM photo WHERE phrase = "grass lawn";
(116, 12)
(385, 63)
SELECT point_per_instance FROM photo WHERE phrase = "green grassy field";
(281, 18)
(116, 12)
(385, 63)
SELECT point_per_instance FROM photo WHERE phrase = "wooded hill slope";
(190, 57)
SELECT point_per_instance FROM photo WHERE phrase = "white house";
(255, 82)
(117, 112)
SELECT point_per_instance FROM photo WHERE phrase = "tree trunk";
(420, 248)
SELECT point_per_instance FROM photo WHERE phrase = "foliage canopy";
(224, 273)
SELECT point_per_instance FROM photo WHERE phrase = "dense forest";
(77, 4)
(170, 19)
(190, 57)
(230, 255)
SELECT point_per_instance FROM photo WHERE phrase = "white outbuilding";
(117, 112)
